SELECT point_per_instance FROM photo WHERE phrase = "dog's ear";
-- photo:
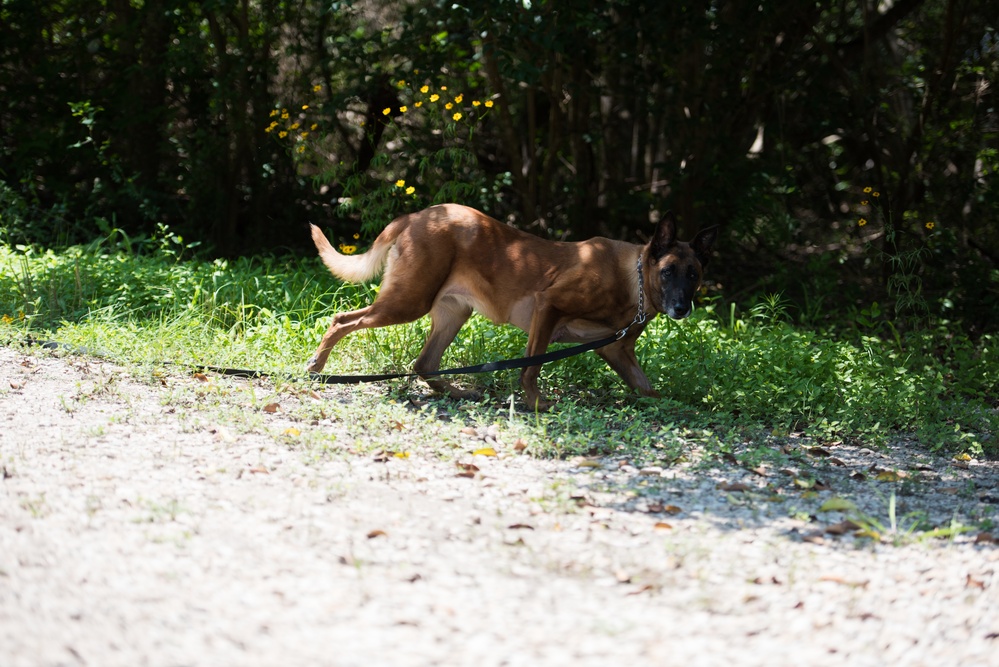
(703, 242)
(665, 236)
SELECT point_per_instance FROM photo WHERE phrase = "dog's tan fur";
(450, 260)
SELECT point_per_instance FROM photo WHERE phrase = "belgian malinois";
(450, 260)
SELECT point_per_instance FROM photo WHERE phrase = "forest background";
(848, 149)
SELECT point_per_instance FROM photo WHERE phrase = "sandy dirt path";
(139, 527)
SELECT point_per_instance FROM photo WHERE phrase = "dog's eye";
(667, 272)
(691, 273)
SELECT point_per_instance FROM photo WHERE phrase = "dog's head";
(674, 268)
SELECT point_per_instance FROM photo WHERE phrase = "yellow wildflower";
(458, 99)
(357, 236)
(293, 126)
(476, 103)
(930, 225)
(303, 135)
(304, 107)
(443, 87)
(6, 319)
(316, 88)
(274, 112)
(403, 109)
(875, 194)
(489, 104)
(284, 115)
(868, 190)
(425, 89)
(282, 134)
(301, 148)
(410, 190)
(864, 203)
(457, 116)
(400, 183)
(313, 126)
(434, 97)
(348, 249)
(861, 222)
(448, 106)
(417, 104)
(386, 111)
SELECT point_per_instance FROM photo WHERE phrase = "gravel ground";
(140, 528)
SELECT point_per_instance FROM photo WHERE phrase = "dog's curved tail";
(356, 268)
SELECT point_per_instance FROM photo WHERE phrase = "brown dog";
(450, 260)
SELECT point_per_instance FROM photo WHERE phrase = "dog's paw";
(313, 365)
(464, 394)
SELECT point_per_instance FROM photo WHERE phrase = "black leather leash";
(323, 378)
(489, 367)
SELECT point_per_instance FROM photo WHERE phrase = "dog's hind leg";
(446, 317)
(385, 311)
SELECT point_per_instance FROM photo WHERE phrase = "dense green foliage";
(730, 371)
(769, 118)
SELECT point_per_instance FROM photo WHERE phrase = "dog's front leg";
(621, 357)
(543, 323)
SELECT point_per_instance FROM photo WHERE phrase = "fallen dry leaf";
(401, 455)
(986, 538)
(641, 589)
(377, 533)
(818, 451)
(832, 578)
(842, 528)
(484, 451)
(292, 431)
(260, 469)
(971, 582)
(468, 467)
(672, 509)
(735, 487)
(662, 525)
(837, 504)
(272, 407)
(837, 462)
(521, 526)
(468, 430)
(467, 474)
(16, 385)
(891, 475)
(200, 376)
(520, 445)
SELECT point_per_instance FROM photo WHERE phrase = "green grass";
(725, 377)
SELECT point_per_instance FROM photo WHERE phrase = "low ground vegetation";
(732, 372)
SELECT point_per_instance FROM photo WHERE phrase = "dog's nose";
(679, 310)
